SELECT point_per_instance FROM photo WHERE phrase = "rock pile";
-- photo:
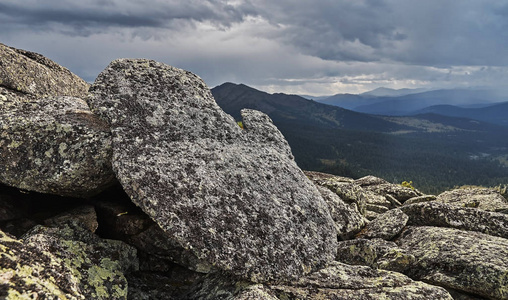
(156, 193)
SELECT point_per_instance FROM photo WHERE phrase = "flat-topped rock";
(234, 197)
(467, 261)
(33, 74)
(477, 197)
(337, 281)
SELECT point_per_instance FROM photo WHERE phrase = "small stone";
(386, 226)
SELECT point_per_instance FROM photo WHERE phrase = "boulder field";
(140, 187)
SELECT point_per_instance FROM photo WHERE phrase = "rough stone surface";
(317, 176)
(168, 285)
(463, 260)
(54, 145)
(481, 198)
(341, 281)
(397, 191)
(84, 215)
(419, 199)
(347, 218)
(338, 281)
(30, 73)
(233, 196)
(386, 226)
(124, 221)
(64, 263)
(370, 180)
(375, 253)
(350, 192)
(445, 215)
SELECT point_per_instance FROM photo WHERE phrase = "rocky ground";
(141, 187)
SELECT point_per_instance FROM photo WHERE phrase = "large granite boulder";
(337, 281)
(50, 142)
(462, 260)
(65, 262)
(33, 74)
(54, 145)
(233, 196)
(475, 197)
(121, 220)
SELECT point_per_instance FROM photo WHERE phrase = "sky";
(313, 47)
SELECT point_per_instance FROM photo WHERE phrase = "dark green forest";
(435, 152)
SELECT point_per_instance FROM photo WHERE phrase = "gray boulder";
(475, 197)
(347, 218)
(122, 220)
(467, 261)
(50, 142)
(235, 197)
(375, 253)
(465, 218)
(66, 262)
(54, 145)
(29, 73)
(337, 281)
(348, 191)
(386, 226)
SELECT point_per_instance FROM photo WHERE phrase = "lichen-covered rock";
(68, 262)
(463, 260)
(157, 252)
(341, 281)
(33, 74)
(370, 180)
(446, 215)
(318, 176)
(399, 192)
(338, 281)
(372, 195)
(54, 145)
(375, 253)
(84, 215)
(481, 198)
(420, 199)
(386, 226)
(349, 192)
(347, 218)
(235, 197)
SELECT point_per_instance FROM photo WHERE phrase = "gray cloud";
(91, 16)
(319, 47)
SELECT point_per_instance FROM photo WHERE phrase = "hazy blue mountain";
(435, 151)
(352, 101)
(315, 98)
(404, 105)
(387, 92)
(495, 113)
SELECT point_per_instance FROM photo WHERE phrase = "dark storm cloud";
(88, 17)
(319, 46)
(431, 32)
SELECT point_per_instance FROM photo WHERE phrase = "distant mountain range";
(444, 102)
(495, 113)
(436, 151)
